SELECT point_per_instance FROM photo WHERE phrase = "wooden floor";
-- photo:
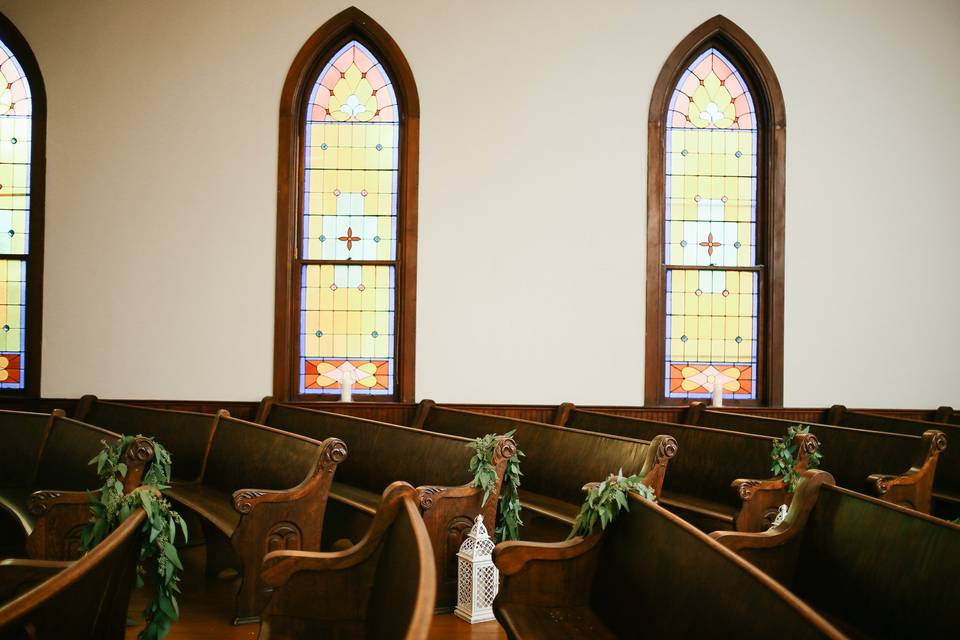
(206, 609)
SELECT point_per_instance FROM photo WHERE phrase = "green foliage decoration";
(109, 507)
(783, 457)
(485, 476)
(605, 500)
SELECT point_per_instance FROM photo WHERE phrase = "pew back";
(683, 566)
(851, 455)
(889, 571)
(22, 435)
(243, 454)
(66, 453)
(87, 600)
(879, 569)
(708, 459)
(381, 453)
(948, 468)
(558, 461)
(185, 434)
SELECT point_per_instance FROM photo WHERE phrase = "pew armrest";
(748, 489)
(913, 488)
(279, 566)
(18, 575)
(41, 502)
(776, 550)
(761, 500)
(334, 452)
(556, 574)
(511, 557)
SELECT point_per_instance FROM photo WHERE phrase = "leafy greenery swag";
(784, 457)
(110, 507)
(605, 500)
(485, 477)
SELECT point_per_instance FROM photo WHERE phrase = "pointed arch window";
(347, 242)
(715, 223)
(22, 157)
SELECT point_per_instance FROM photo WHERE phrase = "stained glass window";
(710, 232)
(349, 228)
(16, 134)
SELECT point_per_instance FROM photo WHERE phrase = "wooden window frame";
(746, 55)
(33, 327)
(350, 24)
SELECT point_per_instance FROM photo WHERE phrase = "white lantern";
(478, 579)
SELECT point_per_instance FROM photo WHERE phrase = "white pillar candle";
(717, 392)
(346, 387)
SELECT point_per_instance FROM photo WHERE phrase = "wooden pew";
(259, 490)
(185, 434)
(898, 468)
(46, 477)
(84, 600)
(946, 482)
(649, 575)
(383, 587)
(436, 464)
(948, 415)
(719, 479)
(558, 462)
(874, 569)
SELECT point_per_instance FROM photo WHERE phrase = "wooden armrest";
(511, 557)
(244, 500)
(334, 452)
(555, 574)
(40, 502)
(738, 540)
(805, 498)
(279, 566)
(747, 488)
(428, 495)
(17, 575)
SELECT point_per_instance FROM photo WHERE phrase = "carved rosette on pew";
(478, 579)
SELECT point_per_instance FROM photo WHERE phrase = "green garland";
(784, 457)
(110, 507)
(605, 500)
(485, 477)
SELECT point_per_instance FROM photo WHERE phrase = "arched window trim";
(733, 42)
(18, 45)
(350, 24)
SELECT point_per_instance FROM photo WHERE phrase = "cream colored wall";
(162, 175)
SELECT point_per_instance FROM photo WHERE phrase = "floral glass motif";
(16, 134)
(711, 222)
(351, 160)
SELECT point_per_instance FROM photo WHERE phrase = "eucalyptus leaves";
(784, 457)
(485, 477)
(605, 500)
(110, 507)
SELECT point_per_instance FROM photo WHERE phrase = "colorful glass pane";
(16, 134)
(351, 159)
(711, 222)
(13, 286)
(348, 326)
